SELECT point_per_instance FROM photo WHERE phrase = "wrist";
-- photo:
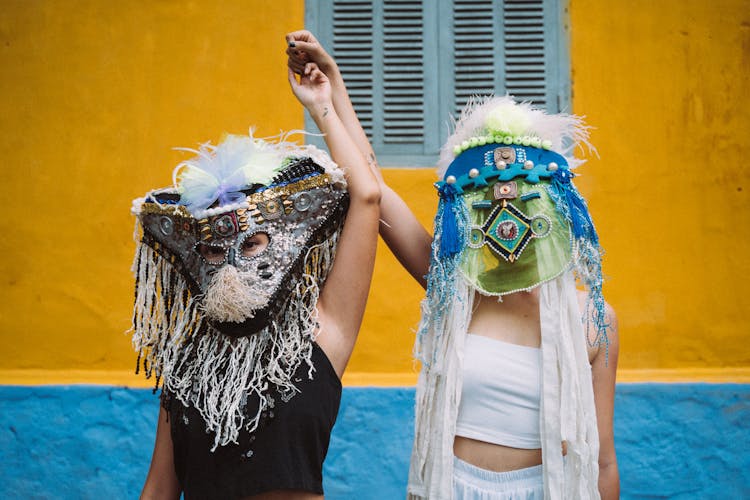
(321, 111)
(328, 66)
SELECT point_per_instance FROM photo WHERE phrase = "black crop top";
(285, 452)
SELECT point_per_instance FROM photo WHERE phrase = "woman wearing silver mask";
(252, 274)
(515, 396)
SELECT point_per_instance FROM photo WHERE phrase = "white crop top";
(501, 393)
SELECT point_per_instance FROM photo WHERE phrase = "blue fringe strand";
(588, 261)
(441, 287)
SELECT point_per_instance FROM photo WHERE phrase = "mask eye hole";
(254, 245)
(213, 254)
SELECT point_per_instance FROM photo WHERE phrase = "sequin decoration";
(302, 202)
(224, 225)
(271, 209)
(166, 225)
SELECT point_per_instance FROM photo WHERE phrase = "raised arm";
(342, 300)
(400, 229)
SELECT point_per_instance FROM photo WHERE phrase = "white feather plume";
(221, 172)
(483, 115)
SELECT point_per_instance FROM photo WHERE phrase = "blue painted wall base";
(681, 441)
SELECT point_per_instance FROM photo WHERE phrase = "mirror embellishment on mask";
(504, 155)
(507, 231)
(505, 191)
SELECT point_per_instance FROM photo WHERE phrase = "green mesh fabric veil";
(547, 253)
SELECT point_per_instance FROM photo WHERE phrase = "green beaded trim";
(520, 140)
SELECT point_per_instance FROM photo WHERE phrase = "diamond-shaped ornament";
(507, 231)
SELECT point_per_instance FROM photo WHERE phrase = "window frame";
(439, 85)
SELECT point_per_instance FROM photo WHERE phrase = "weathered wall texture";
(673, 441)
(93, 96)
(666, 85)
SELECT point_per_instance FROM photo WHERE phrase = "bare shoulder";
(595, 351)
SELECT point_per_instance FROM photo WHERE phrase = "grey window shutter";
(412, 64)
(476, 31)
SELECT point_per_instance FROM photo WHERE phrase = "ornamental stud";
(473, 172)
(528, 165)
(501, 165)
(552, 166)
(451, 179)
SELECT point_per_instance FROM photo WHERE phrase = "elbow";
(369, 196)
(608, 470)
(609, 481)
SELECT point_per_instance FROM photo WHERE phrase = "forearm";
(609, 482)
(362, 184)
(404, 235)
(399, 228)
(345, 109)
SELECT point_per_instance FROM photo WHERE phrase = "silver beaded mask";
(301, 208)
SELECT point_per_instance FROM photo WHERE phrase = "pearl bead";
(501, 165)
(473, 172)
(451, 179)
(552, 166)
(528, 164)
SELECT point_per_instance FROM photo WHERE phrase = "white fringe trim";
(567, 409)
(213, 372)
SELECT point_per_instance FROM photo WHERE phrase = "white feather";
(237, 163)
(482, 115)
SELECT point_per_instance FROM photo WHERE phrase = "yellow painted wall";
(93, 96)
(666, 84)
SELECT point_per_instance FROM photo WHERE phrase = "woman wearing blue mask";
(515, 397)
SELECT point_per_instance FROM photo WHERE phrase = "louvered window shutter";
(410, 65)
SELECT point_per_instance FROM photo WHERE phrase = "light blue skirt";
(472, 483)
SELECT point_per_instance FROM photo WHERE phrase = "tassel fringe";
(208, 370)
